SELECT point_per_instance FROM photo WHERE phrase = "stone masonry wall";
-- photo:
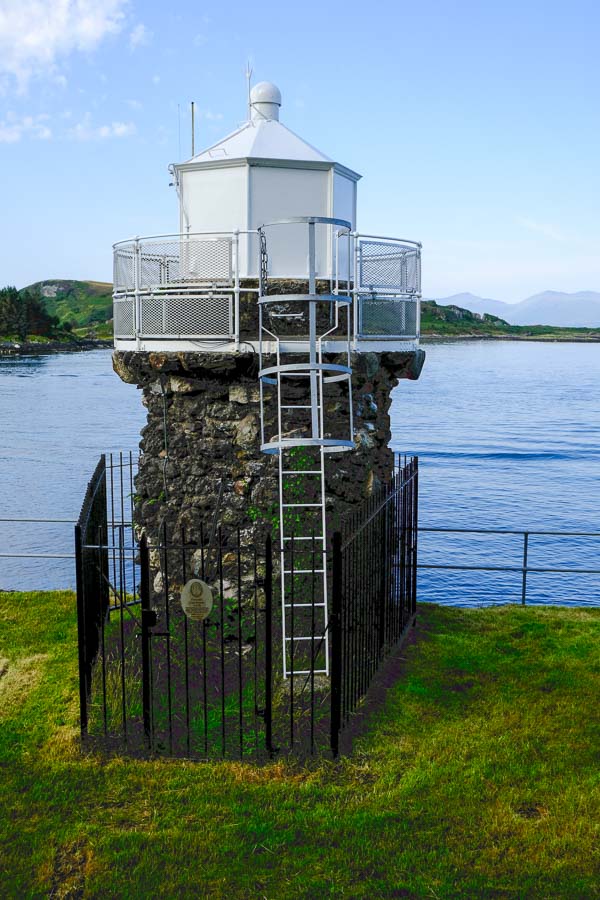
(203, 430)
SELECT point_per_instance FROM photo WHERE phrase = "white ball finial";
(265, 100)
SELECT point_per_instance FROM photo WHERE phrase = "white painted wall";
(214, 199)
(282, 193)
(344, 207)
(246, 196)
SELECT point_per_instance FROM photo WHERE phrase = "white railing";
(187, 286)
(173, 317)
(176, 261)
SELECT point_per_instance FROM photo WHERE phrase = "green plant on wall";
(297, 488)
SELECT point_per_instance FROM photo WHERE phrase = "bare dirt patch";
(17, 679)
(68, 876)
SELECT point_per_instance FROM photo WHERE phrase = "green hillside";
(454, 321)
(84, 305)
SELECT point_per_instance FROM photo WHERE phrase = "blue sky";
(474, 124)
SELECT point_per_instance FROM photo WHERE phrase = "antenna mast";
(193, 130)
(248, 79)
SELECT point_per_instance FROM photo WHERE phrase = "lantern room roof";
(264, 140)
(268, 139)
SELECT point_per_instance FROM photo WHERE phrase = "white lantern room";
(264, 172)
(261, 210)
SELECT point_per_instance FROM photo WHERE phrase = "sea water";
(507, 433)
(508, 437)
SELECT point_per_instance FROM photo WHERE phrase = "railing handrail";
(183, 234)
(44, 521)
(524, 569)
(318, 219)
(378, 237)
(521, 531)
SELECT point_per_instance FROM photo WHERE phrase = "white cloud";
(13, 128)
(139, 37)
(87, 131)
(35, 34)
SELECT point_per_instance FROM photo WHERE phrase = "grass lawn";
(478, 778)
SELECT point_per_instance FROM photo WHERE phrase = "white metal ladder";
(293, 363)
(303, 554)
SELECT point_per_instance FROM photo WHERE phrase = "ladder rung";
(319, 505)
(293, 406)
(317, 537)
(300, 605)
(300, 472)
(307, 671)
(316, 637)
(303, 571)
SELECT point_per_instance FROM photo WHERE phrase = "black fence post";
(269, 644)
(146, 622)
(385, 565)
(415, 534)
(335, 633)
(525, 552)
(81, 633)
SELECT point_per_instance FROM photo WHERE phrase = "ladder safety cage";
(301, 389)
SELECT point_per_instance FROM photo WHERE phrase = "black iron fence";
(180, 636)
(520, 563)
(374, 590)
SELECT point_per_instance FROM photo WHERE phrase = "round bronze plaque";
(197, 600)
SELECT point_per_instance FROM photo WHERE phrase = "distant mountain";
(581, 310)
(84, 305)
(481, 305)
(578, 310)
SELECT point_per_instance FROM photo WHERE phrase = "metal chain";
(264, 262)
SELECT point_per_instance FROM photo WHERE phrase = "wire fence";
(474, 566)
(518, 573)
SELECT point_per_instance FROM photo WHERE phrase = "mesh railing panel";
(203, 316)
(123, 317)
(152, 315)
(173, 262)
(389, 266)
(123, 266)
(388, 317)
(212, 315)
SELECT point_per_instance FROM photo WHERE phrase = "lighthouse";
(267, 334)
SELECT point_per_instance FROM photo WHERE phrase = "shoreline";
(537, 338)
(31, 348)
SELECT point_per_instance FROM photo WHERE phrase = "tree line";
(23, 313)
